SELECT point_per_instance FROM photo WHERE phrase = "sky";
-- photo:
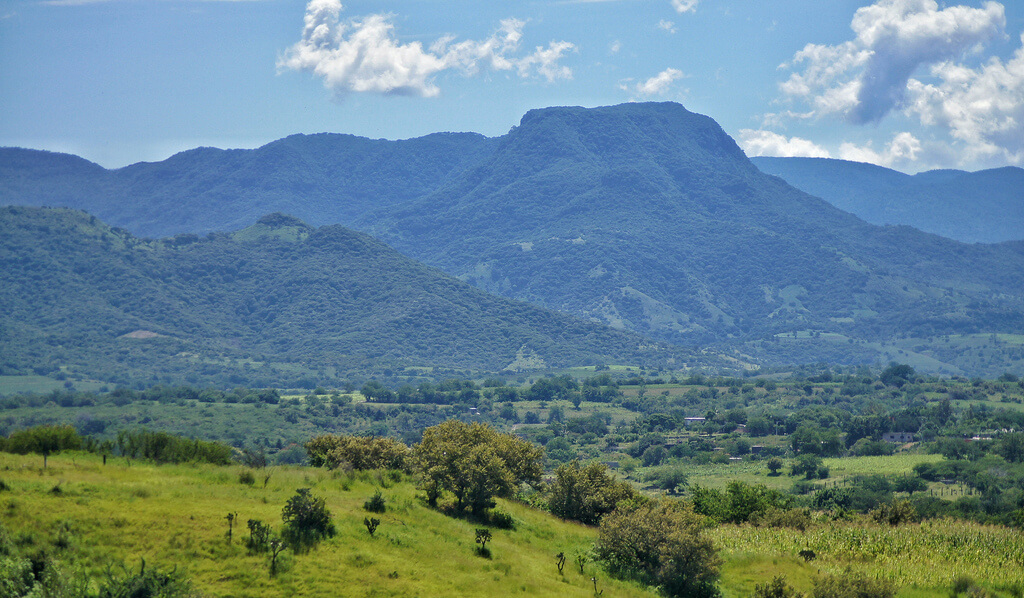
(908, 84)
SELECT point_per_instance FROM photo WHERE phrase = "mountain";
(650, 217)
(322, 179)
(643, 216)
(974, 207)
(277, 303)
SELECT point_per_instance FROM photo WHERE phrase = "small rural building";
(898, 437)
(693, 421)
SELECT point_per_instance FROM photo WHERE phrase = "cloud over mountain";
(363, 55)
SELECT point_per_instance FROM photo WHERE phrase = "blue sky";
(909, 84)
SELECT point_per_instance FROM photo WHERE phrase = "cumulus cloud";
(982, 108)
(911, 59)
(903, 149)
(656, 85)
(667, 26)
(767, 143)
(867, 77)
(363, 55)
(682, 6)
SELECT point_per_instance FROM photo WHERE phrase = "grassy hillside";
(175, 516)
(278, 304)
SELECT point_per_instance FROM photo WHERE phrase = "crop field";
(917, 558)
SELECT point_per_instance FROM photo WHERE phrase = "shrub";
(852, 585)
(375, 504)
(247, 478)
(358, 452)
(776, 588)
(660, 543)
(792, 518)
(895, 512)
(501, 520)
(259, 536)
(152, 582)
(306, 520)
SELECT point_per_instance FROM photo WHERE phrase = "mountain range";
(277, 303)
(644, 217)
(974, 207)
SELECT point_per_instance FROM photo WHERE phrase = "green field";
(175, 516)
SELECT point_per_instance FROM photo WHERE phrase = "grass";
(176, 516)
(19, 384)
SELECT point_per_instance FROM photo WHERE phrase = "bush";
(502, 520)
(895, 513)
(660, 543)
(852, 585)
(376, 503)
(358, 452)
(776, 588)
(306, 520)
(247, 478)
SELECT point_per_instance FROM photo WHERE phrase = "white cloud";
(656, 85)
(615, 47)
(682, 6)
(911, 58)
(864, 79)
(983, 108)
(364, 55)
(667, 26)
(904, 149)
(767, 143)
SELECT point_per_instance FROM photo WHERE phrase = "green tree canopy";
(586, 493)
(660, 543)
(475, 462)
(44, 440)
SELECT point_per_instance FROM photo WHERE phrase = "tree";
(475, 463)
(359, 452)
(306, 520)
(774, 465)
(660, 543)
(44, 440)
(897, 374)
(1011, 447)
(586, 493)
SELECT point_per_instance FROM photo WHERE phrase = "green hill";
(649, 217)
(973, 207)
(322, 179)
(277, 304)
(174, 517)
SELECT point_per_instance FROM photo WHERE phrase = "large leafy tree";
(661, 543)
(44, 440)
(586, 493)
(475, 463)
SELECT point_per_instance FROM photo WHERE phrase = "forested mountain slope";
(974, 207)
(643, 216)
(650, 217)
(322, 179)
(271, 304)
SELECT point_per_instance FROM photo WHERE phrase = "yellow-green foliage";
(927, 555)
(175, 515)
